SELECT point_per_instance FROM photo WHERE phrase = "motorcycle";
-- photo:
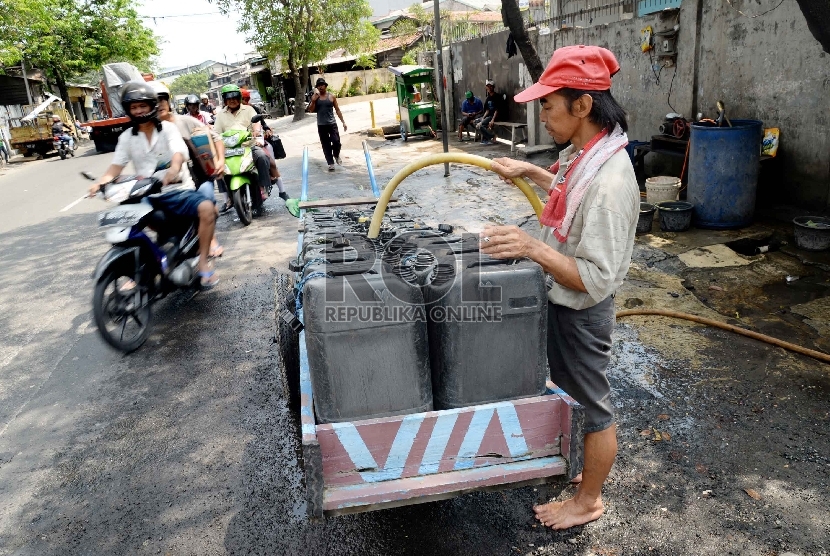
(61, 144)
(241, 175)
(152, 255)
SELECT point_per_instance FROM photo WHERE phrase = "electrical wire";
(668, 98)
(756, 15)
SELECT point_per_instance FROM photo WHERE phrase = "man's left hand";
(506, 242)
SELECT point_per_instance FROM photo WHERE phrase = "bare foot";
(570, 513)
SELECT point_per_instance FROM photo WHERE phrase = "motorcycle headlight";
(231, 140)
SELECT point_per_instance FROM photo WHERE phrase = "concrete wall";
(335, 80)
(769, 68)
(466, 68)
(772, 68)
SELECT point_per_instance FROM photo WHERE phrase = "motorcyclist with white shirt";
(157, 149)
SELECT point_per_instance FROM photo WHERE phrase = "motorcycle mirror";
(88, 176)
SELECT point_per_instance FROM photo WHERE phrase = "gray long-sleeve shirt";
(601, 238)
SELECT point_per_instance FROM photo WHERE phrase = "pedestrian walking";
(325, 105)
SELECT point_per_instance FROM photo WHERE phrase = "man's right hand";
(94, 189)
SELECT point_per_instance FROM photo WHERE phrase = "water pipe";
(304, 190)
(372, 180)
(463, 158)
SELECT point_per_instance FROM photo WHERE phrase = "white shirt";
(154, 157)
(601, 238)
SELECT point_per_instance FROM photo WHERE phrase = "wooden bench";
(513, 127)
(467, 128)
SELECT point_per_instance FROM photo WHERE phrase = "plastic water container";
(662, 188)
(487, 330)
(367, 348)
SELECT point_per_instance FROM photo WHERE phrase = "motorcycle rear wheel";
(242, 204)
(122, 322)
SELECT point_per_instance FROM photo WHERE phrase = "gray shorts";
(579, 349)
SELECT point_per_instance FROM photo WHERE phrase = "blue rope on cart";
(299, 298)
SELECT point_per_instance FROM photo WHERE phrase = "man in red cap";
(585, 247)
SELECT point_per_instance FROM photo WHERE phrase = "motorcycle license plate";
(124, 216)
(235, 152)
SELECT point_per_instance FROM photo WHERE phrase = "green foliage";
(356, 88)
(408, 59)
(191, 83)
(387, 87)
(344, 88)
(375, 86)
(71, 38)
(403, 27)
(304, 31)
(365, 61)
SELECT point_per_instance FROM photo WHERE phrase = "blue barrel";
(723, 173)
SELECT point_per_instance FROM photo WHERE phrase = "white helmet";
(203, 96)
(162, 90)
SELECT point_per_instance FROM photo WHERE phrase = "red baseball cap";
(587, 68)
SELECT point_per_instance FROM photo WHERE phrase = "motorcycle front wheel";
(121, 309)
(242, 204)
(63, 155)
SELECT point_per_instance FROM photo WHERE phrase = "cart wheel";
(403, 132)
(288, 343)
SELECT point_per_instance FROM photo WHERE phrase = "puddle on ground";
(796, 292)
(632, 363)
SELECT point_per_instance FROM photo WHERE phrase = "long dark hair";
(605, 111)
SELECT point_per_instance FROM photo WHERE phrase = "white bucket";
(662, 188)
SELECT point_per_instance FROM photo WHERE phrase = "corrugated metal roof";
(384, 45)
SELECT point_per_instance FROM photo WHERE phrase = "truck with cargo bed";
(105, 132)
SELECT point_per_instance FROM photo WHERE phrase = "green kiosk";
(416, 100)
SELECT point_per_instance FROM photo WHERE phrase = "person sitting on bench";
(471, 109)
(492, 108)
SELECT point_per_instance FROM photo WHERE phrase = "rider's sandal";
(207, 280)
(216, 252)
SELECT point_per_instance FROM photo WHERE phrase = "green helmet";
(468, 94)
(230, 91)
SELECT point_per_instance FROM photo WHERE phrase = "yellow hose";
(821, 356)
(486, 163)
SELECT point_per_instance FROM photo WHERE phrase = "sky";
(192, 40)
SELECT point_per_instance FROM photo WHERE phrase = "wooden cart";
(386, 462)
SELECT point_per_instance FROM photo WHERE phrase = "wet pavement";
(187, 447)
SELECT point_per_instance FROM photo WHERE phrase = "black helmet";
(192, 99)
(135, 91)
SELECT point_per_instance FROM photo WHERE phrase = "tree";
(512, 18)
(301, 32)
(365, 61)
(191, 83)
(68, 38)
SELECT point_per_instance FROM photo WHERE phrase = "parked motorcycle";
(61, 144)
(241, 175)
(152, 254)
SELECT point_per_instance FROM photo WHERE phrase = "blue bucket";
(723, 173)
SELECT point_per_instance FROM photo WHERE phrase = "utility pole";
(444, 116)
(26, 80)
